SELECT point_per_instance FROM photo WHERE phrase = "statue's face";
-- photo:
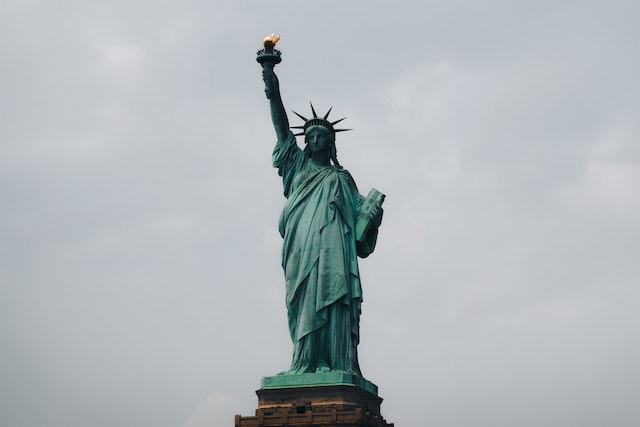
(319, 139)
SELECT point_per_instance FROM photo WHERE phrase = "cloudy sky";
(140, 279)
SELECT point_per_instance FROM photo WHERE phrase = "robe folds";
(319, 258)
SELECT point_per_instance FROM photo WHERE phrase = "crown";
(318, 121)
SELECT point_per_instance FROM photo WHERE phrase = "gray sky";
(140, 279)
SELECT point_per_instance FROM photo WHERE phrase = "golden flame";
(270, 40)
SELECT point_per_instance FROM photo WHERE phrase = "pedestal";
(320, 400)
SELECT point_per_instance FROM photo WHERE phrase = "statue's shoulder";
(345, 176)
(343, 171)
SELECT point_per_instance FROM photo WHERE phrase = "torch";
(269, 57)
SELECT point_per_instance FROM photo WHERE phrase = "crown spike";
(341, 130)
(300, 115)
(327, 115)
(315, 116)
(337, 121)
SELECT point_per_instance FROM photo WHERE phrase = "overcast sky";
(140, 278)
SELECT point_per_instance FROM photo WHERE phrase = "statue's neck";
(320, 159)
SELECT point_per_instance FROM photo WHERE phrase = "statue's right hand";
(268, 73)
(270, 81)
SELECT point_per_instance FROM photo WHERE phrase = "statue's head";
(319, 138)
(320, 134)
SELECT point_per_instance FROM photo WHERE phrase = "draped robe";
(323, 291)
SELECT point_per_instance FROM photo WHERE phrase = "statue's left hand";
(376, 216)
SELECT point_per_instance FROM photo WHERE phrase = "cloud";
(123, 59)
(612, 169)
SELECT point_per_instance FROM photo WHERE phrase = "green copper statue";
(318, 225)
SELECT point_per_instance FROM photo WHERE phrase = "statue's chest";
(313, 176)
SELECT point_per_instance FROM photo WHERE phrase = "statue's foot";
(322, 367)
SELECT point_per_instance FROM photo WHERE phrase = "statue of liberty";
(321, 243)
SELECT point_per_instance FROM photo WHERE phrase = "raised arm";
(278, 113)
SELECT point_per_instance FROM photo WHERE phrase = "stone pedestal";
(331, 401)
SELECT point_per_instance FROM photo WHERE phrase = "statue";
(326, 224)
